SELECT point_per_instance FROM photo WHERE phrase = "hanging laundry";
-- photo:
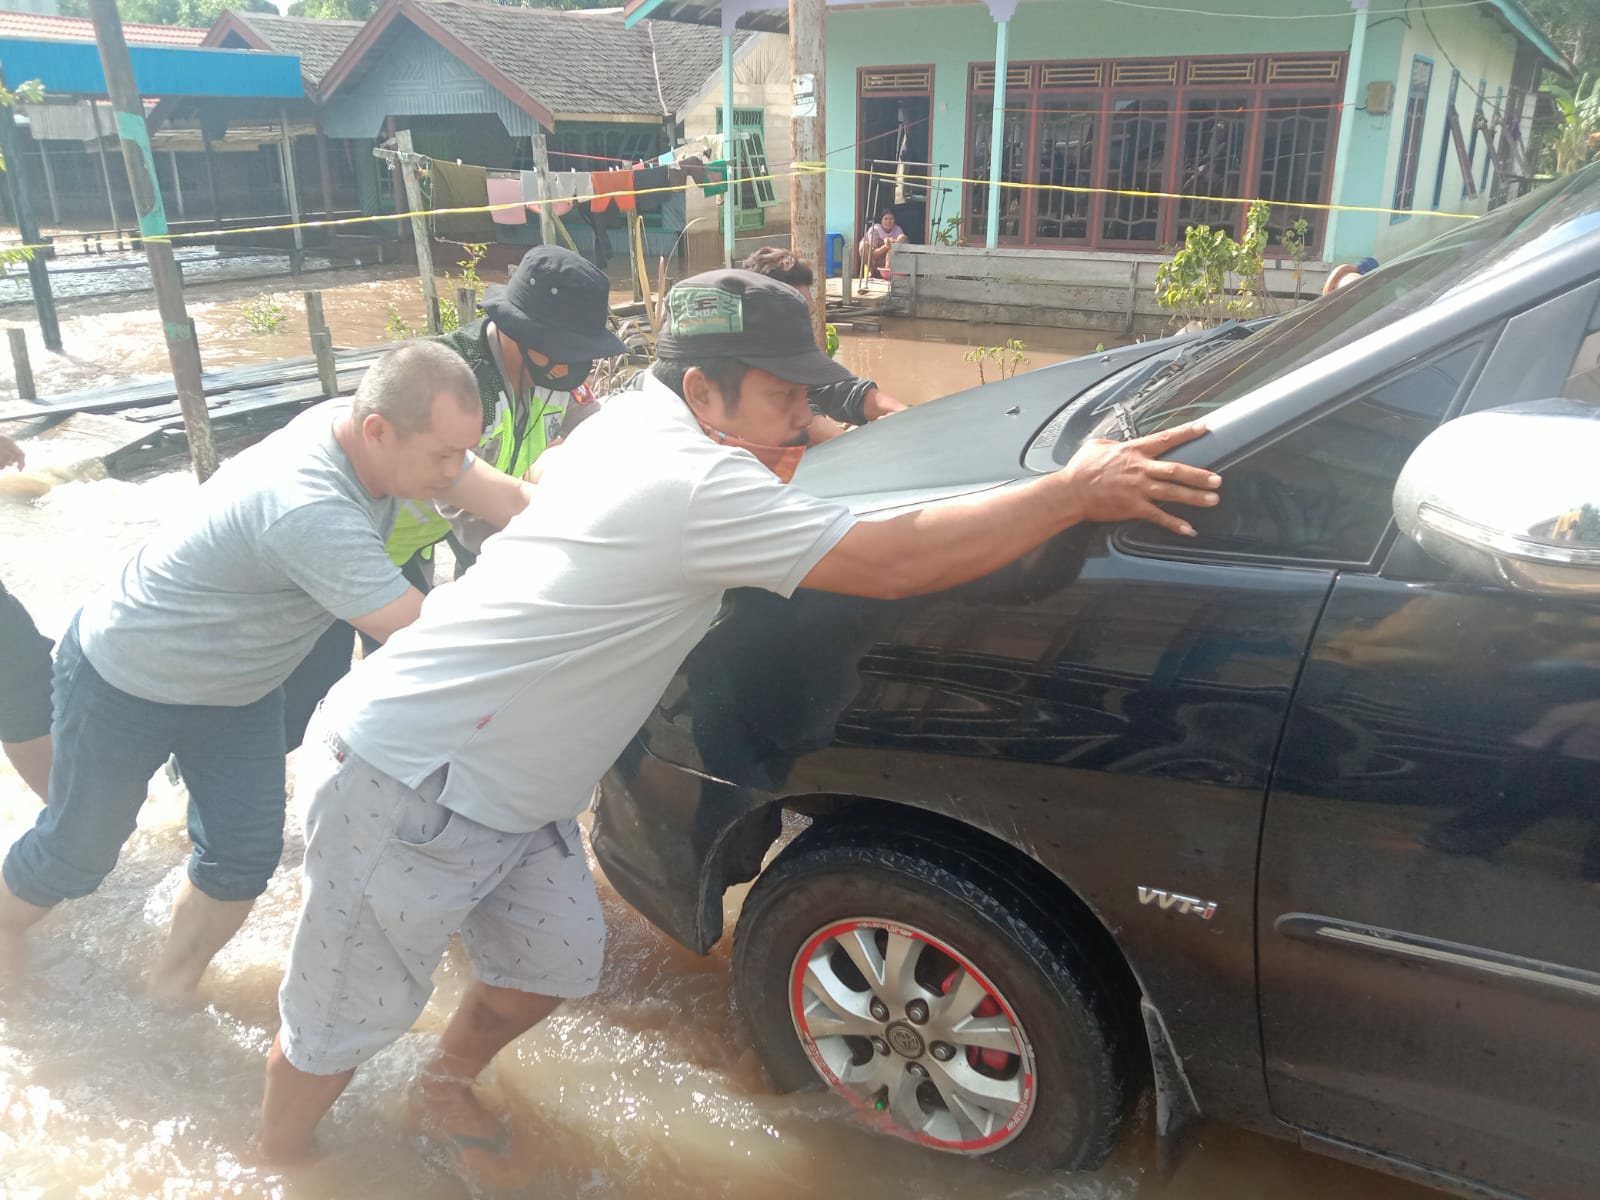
(716, 180)
(690, 168)
(651, 183)
(563, 187)
(507, 191)
(457, 186)
(606, 183)
(599, 220)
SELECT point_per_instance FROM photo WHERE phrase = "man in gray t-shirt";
(187, 652)
(446, 772)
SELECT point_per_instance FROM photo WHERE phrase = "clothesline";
(465, 200)
(695, 147)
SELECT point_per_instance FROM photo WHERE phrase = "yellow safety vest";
(418, 527)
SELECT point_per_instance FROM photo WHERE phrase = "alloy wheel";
(908, 1029)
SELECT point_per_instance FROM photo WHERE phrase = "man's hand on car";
(1116, 481)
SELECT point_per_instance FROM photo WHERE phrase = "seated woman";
(880, 241)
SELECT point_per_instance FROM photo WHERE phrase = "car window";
(1543, 221)
(1324, 492)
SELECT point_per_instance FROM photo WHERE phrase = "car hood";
(969, 442)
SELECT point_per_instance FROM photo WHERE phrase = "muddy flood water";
(109, 340)
(649, 1089)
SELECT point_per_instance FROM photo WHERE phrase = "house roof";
(773, 16)
(41, 27)
(318, 43)
(553, 62)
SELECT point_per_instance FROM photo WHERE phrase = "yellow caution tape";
(797, 170)
(816, 168)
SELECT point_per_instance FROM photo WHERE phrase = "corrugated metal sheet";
(65, 122)
(73, 68)
(418, 78)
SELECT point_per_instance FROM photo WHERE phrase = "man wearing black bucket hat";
(531, 354)
(446, 772)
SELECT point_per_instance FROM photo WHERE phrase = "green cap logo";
(697, 311)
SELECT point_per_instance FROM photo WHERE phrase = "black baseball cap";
(749, 318)
(557, 303)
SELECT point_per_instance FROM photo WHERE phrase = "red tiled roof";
(35, 26)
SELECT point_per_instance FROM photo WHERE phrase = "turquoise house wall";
(1356, 234)
(954, 38)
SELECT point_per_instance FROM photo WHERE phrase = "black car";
(1298, 820)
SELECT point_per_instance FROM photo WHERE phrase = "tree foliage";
(1572, 143)
(195, 13)
(1574, 25)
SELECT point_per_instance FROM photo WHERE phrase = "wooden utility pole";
(808, 212)
(44, 300)
(541, 168)
(419, 227)
(182, 351)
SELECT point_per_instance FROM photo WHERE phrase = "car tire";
(866, 886)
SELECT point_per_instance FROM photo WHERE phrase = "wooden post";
(105, 172)
(466, 306)
(49, 183)
(211, 183)
(634, 233)
(177, 181)
(419, 227)
(44, 300)
(322, 345)
(847, 264)
(19, 362)
(327, 175)
(541, 167)
(292, 192)
(808, 217)
(182, 350)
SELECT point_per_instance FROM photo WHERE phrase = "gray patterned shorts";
(390, 874)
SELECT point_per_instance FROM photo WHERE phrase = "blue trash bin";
(835, 263)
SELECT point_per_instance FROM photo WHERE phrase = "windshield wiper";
(1125, 425)
(1191, 354)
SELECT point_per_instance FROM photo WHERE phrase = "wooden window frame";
(1177, 97)
(1414, 125)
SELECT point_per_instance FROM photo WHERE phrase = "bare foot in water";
(447, 1114)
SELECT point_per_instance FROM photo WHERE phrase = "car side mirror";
(1510, 497)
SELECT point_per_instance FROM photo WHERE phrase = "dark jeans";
(24, 674)
(107, 746)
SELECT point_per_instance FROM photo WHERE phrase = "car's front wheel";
(923, 987)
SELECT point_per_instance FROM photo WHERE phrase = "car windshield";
(1554, 215)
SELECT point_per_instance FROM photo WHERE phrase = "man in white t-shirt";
(446, 771)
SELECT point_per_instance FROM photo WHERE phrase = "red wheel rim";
(913, 1034)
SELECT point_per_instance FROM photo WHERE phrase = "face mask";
(782, 461)
(558, 377)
